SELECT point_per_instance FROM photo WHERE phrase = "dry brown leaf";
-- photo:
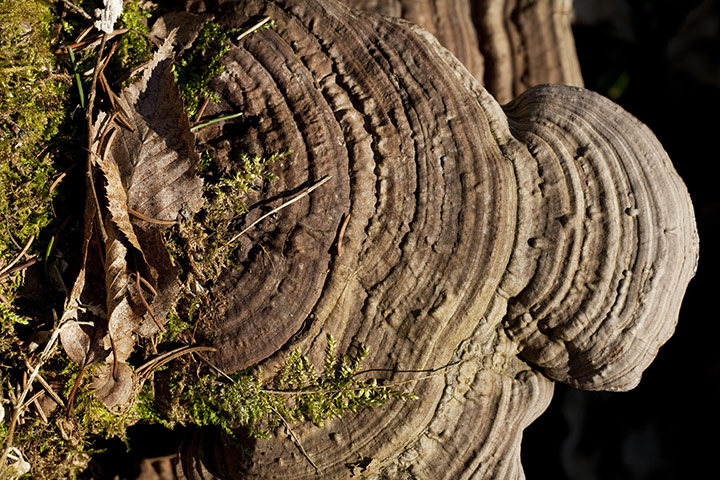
(113, 386)
(76, 338)
(121, 319)
(187, 25)
(117, 199)
(152, 170)
(157, 161)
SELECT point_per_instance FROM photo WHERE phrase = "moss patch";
(33, 92)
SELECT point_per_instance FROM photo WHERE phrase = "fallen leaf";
(121, 318)
(186, 24)
(117, 199)
(151, 169)
(157, 161)
(113, 388)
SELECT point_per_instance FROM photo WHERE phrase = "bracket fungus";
(547, 239)
(508, 45)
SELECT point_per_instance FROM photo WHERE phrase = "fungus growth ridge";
(550, 239)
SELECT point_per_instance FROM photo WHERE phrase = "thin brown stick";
(120, 114)
(435, 373)
(146, 304)
(19, 401)
(77, 9)
(151, 365)
(202, 110)
(19, 255)
(31, 400)
(22, 266)
(254, 28)
(115, 359)
(94, 41)
(215, 367)
(148, 285)
(297, 197)
(156, 221)
(93, 90)
(83, 34)
(40, 411)
(91, 136)
(60, 178)
(46, 386)
(73, 391)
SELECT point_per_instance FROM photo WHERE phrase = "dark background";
(660, 60)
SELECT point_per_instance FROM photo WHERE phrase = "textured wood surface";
(508, 45)
(555, 231)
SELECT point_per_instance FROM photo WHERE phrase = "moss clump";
(300, 393)
(32, 96)
(134, 48)
(201, 64)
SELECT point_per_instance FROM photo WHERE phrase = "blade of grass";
(215, 120)
(76, 71)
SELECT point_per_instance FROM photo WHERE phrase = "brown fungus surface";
(555, 231)
(508, 45)
(613, 246)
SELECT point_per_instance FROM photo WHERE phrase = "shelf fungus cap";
(549, 239)
(609, 245)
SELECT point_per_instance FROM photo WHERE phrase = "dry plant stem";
(19, 256)
(297, 197)
(83, 34)
(253, 28)
(197, 127)
(60, 178)
(435, 373)
(19, 403)
(115, 360)
(201, 111)
(156, 221)
(215, 367)
(22, 266)
(46, 386)
(71, 396)
(32, 400)
(145, 370)
(145, 303)
(149, 286)
(79, 46)
(40, 411)
(77, 9)
(296, 440)
(91, 136)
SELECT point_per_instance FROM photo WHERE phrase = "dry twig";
(297, 197)
(150, 366)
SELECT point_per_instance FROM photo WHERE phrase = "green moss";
(299, 394)
(134, 48)
(31, 109)
(201, 64)
(95, 419)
